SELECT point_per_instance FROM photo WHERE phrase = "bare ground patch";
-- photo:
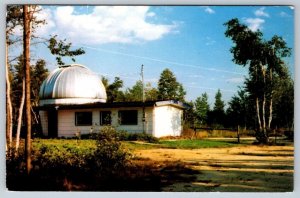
(243, 169)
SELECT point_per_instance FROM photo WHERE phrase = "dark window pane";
(83, 118)
(105, 118)
(128, 117)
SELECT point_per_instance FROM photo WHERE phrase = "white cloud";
(261, 12)
(106, 24)
(254, 23)
(209, 10)
(284, 14)
(209, 41)
(46, 15)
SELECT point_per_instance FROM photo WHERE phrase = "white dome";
(72, 84)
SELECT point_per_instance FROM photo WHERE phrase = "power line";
(162, 61)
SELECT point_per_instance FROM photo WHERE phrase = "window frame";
(121, 122)
(90, 114)
(100, 118)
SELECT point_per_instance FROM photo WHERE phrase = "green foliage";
(62, 49)
(219, 103)
(240, 111)
(125, 136)
(195, 144)
(284, 101)
(189, 115)
(216, 117)
(109, 157)
(114, 94)
(135, 93)
(39, 74)
(202, 109)
(169, 88)
(265, 61)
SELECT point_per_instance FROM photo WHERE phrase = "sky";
(189, 40)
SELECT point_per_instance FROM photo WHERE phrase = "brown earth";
(236, 169)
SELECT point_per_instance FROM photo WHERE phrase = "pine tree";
(169, 88)
(202, 109)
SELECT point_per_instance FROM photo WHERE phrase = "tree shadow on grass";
(140, 175)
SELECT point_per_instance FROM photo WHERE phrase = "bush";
(125, 136)
(109, 157)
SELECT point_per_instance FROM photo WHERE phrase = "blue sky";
(189, 40)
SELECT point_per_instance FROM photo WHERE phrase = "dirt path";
(247, 168)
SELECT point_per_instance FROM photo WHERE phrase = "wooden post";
(238, 134)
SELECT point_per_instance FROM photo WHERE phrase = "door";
(52, 123)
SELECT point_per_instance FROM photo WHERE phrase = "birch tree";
(264, 59)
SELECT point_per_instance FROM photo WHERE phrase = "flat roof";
(173, 103)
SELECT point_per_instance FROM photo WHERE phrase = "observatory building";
(73, 100)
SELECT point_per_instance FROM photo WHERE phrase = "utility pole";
(143, 97)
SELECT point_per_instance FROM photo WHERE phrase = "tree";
(151, 93)
(189, 115)
(114, 94)
(39, 73)
(27, 15)
(135, 93)
(13, 19)
(169, 88)
(62, 49)
(284, 101)
(202, 109)
(219, 103)
(264, 59)
(239, 110)
(218, 110)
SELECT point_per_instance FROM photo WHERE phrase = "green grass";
(86, 145)
(195, 144)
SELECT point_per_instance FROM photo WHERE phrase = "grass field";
(204, 165)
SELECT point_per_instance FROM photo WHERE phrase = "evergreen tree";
(217, 115)
(169, 88)
(239, 110)
(202, 109)
(39, 74)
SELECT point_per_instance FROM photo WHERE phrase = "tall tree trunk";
(8, 103)
(271, 101)
(258, 114)
(26, 37)
(265, 136)
(20, 115)
(264, 112)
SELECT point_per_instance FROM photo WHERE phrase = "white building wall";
(67, 127)
(44, 122)
(167, 121)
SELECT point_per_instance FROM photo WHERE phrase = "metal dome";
(72, 84)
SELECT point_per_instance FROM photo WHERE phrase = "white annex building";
(73, 99)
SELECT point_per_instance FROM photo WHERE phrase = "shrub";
(125, 136)
(109, 157)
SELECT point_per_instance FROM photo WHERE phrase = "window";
(83, 118)
(105, 118)
(128, 117)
